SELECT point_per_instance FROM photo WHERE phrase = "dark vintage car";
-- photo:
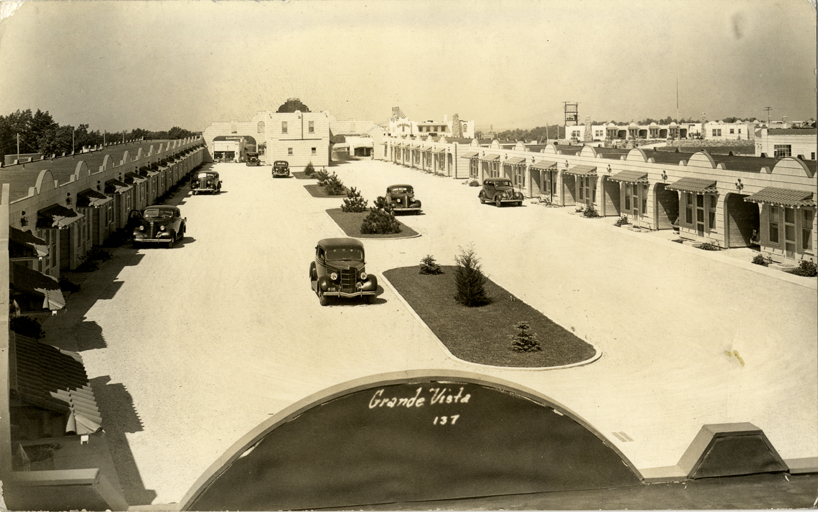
(281, 169)
(402, 198)
(158, 224)
(252, 159)
(206, 181)
(499, 191)
(339, 270)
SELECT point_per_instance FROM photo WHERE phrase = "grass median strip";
(350, 223)
(481, 334)
(319, 191)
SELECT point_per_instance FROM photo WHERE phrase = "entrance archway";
(742, 220)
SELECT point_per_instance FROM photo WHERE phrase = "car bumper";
(204, 189)
(348, 295)
(152, 240)
(281, 174)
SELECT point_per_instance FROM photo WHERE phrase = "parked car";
(158, 224)
(206, 181)
(402, 198)
(339, 271)
(281, 169)
(252, 159)
(499, 191)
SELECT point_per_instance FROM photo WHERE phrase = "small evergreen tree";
(354, 202)
(470, 281)
(334, 186)
(429, 266)
(322, 176)
(309, 170)
(524, 340)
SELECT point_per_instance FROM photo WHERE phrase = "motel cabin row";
(734, 201)
(74, 204)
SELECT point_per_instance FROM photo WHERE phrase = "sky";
(503, 63)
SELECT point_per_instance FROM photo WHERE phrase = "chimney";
(456, 132)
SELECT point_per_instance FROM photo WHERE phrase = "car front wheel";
(497, 202)
(322, 299)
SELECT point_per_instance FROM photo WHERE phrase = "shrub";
(334, 186)
(621, 221)
(710, 246)
(381, 219)
(322, 176)
(470, 281)
(429, 266)
(474, 183)
(27, 326)
(590, 212)
(761, 260)
(309, 170)
(354, 202)
(523, 340)
(805, 268)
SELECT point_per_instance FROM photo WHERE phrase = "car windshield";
(502, 183)
(345, 254)
(158, 213)
(400, 190)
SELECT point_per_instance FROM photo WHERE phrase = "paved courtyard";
(191, 348)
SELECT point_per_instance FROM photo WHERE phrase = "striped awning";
(630, 177)
(53, 379)
(514, 161)
(783, 197)
(134, 177)
(544, 165)
(57, 216)
(90, 198)
(582, 170)
(471, 154)
(23, 244)
(491, 157)
(116, 186)
(694, 186)
(440, 150)
(43, 291)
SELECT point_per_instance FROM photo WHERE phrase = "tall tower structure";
(571, 114)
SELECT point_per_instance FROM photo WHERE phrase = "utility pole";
(18, 148)
(768, 109)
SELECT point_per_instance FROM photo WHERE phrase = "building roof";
(54, 379)
(792, 131)
(783, 197)
(568, 150)
(694, 185)
(21, 179)
(612, 153)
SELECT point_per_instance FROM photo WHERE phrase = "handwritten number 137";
(443, 420)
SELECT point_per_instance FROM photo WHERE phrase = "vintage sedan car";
(252, 159)
(281, 169)
(402, 198)
(158, 224)
(499, 191)
(339, 271)
(206, 181)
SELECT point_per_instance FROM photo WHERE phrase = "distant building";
(299, 137)
(400, 125)
(784, 142)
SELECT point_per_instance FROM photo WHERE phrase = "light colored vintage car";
(339, 270)
(158, 224)
(402, 198)
(206, 181)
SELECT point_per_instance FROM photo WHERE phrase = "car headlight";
(333, 276)
(141, 228)
(363, 275)
(161, 228)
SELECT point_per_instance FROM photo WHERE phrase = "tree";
(469, 279)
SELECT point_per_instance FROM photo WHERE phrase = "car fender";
(371, 284)
(323, 283)
(313, 272)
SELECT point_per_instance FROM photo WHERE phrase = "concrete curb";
(597, 352)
